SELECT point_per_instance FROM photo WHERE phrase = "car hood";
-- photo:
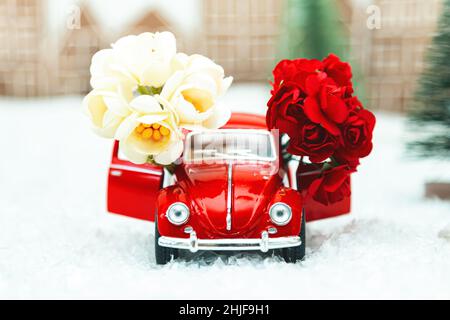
(252, 188)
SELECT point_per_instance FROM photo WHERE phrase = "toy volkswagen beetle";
(231, 192)
(228, 194)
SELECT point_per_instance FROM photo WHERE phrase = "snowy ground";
(57, 241)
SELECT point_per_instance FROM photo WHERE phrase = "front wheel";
(163, 255)
(294, 254)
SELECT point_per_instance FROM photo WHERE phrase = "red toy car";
(231, 192)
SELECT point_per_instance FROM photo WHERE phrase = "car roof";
(241, 132)
(240, 120)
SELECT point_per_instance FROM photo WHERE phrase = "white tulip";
(107, 71)
(141, 60)
(107, 109)
(193, 92)
(145, 92)
(150, 130)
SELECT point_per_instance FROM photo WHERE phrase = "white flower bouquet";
(145, 93)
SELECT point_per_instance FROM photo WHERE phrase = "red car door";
(132, 188)
(315, 210)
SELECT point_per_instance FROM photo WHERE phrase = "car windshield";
(232, 144)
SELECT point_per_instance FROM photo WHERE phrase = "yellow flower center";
(201, 100)
(152, 131)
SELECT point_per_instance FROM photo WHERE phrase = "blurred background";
(53, 169)
(47, 45)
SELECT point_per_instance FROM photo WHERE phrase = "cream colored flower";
(193, 91)
(150, 130)
(107, 109)
(143, 60)
(144, 93)
(107, 71)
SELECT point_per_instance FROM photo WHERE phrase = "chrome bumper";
(263, 244)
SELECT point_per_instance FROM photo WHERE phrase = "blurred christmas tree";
(430, 114)
(313, 29)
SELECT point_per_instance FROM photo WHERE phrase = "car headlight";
(178, 213)
(280, 213)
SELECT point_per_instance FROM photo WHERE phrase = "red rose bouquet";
(313, 103)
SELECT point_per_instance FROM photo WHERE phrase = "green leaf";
(148, 90)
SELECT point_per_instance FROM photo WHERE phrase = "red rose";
(277, 113)
(353, 104)
(332, 186)
(356, 137)
(295, 71)
(340, 72)
(307, 138)
(310, 139)
(313, 103)
(325, 104)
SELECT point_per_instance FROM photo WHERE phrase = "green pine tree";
(313, 30)
(430, 114)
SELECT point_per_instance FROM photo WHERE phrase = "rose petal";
(312, 85)
(336, 109)
(334, 180)
(314, 113)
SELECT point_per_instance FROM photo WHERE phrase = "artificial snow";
(57, 241)
(445, 233)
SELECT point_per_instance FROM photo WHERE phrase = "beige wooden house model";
(396, 52)
(242, 35)
(75, 54)
(23, 70)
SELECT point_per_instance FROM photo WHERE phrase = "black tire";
(163, 255)
(294, 254)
